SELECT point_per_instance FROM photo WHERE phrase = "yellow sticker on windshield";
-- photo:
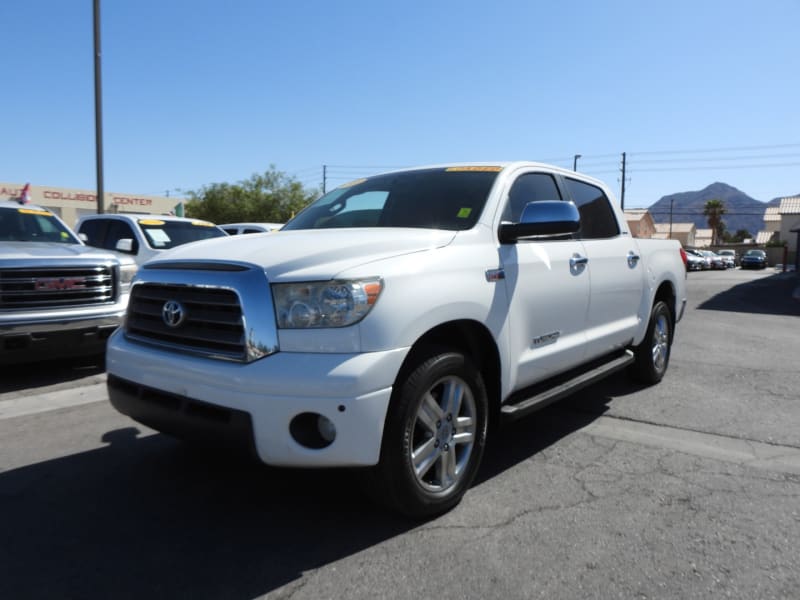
(484, 169)
(64, 235)
(202, 224)
(33, 211)
(352, 183)
(150, 222)
(464, 213)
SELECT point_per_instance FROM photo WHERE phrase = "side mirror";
(83, 237)
(125, 245)
(547, 218)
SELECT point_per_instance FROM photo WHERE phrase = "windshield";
(443, 198)
(162, 234)
(33, 225)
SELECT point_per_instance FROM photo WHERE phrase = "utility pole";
(98, 108)
(622, 192)
(671, 200)
(324, 178)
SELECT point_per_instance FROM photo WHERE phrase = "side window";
(119, 230)
(597, 216)
(94, 230)
(530, 187)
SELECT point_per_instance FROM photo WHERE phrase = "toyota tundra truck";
(58, 297)
(394, 318)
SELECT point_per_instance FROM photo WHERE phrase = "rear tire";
(652, 355)
(434, 436)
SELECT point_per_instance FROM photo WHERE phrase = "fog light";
(326, 428)
(312, 430)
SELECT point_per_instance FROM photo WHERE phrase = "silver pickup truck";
(58, 297)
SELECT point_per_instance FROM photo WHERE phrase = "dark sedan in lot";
(754, 259)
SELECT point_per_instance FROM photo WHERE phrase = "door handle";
(633, 259)
(577, 259)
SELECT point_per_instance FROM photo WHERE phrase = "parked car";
(706, 261)
(695, 262)
(730, 257)
(754, 259)
(240, 228)
(143, 236)
(717, 262)
(58, 297)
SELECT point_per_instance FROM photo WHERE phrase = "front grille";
(56, 287)
(208, 320)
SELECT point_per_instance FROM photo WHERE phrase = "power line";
(717, 167)
(729, 149)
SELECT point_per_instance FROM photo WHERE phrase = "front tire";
(652, 355)
(434, 436)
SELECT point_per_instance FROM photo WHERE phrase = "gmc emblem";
(60, 283)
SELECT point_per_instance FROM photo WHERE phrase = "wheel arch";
(666, 293)
(475, 341)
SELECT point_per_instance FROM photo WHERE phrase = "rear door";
(615, 271)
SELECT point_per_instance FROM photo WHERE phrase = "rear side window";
(597, 216)
(530, 187)
(119, 230)
(94, 230)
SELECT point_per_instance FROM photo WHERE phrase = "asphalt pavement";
(687, 489)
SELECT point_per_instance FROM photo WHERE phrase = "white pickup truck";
(392, 319)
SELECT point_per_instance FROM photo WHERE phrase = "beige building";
(703, 238)
(772, 218)
(772, 225)
(640, 222)
(69, 204)
(789, 211)
(683, 232)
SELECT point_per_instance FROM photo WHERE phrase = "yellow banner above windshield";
(484, 169)
(33, 211)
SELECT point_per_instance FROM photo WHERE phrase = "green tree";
(713, 211)
(738, 237)
(271, 197)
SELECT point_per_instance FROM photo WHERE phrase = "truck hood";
(50, 251)
(310, 254)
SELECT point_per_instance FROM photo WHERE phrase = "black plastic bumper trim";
(183, 417)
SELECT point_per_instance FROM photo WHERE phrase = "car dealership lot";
(688, 489)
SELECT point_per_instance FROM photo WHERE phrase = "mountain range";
(742, 211)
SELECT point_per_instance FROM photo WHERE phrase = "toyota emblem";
(172, 313)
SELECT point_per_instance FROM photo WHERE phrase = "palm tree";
(713, 211)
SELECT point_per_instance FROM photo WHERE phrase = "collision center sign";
(45, 195)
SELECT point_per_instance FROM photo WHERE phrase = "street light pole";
(575, 162)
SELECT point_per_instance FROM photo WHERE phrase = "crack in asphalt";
(688, 429)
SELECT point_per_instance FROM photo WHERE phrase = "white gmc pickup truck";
(392, 319)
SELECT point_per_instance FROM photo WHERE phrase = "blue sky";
(203, 91)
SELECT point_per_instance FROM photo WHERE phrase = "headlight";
(324, 304)
(126, 274)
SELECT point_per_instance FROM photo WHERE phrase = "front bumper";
(189, 392)
(26, 338)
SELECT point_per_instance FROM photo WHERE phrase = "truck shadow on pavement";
(150, 517)
(771, 295)
(34, 375)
